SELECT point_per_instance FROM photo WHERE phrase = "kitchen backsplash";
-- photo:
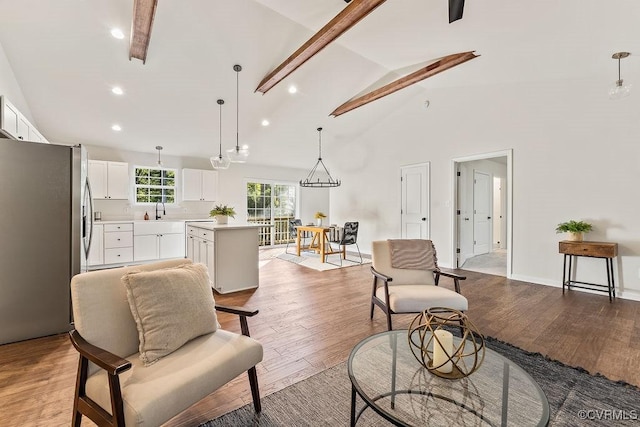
(116, 210)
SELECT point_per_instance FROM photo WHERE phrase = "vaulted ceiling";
(66, 63)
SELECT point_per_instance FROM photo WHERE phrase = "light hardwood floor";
(311, 320)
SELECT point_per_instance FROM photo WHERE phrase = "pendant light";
(619, 90)
(159, 162)
(311, 180)
(218, 162)
(238, 154)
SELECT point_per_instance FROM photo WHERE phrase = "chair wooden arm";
(111, 363)
(244, 326)
(236, 310)
(380, 275)
(456, 278)
(452, 275)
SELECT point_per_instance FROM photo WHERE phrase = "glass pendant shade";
(219, 162)
(238, 154)
(619, 89)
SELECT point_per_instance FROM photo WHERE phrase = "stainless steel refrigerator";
(45, 234)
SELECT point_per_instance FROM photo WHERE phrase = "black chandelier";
(313, 182)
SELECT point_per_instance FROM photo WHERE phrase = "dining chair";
(293, 233)
(349, 236)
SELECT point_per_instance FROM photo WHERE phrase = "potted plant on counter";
(221, 213)
(319, 216)
(575, 229)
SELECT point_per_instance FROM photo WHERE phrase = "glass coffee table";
(391, 381)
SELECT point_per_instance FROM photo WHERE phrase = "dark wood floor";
(311, 320)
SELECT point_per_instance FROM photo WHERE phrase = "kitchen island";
(230, 252)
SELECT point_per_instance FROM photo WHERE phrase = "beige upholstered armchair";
(150, 345)
(410, 290)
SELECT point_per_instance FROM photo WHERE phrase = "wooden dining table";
(319, 240)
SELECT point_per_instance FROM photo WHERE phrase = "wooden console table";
(604, 250)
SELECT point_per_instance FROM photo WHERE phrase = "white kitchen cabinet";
(118, 243)
(229, 252)
(199, 185)
(158, 240)
(200, 248)
(15, 125)
(109, 180)
(96, 252)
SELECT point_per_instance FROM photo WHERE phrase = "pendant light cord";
(220, 102)
(319, 143)
(237, 68)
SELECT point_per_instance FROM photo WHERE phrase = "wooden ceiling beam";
(423, 73)
(347, 18)
(143, 14)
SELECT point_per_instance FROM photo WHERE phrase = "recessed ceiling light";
(117, 90)
(117, 33)
(293, 89)
(265, 122)
(117, 128)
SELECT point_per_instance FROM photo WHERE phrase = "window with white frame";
(154, 185)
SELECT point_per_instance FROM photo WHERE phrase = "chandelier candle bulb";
(442, 350)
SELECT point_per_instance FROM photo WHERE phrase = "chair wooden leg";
(389, 326)
(255, 392)
(80, 382)
(373, 295)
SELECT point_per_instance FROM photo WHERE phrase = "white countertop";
(120, 221)
(212, 225)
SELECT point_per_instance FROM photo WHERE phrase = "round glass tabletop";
(391, 381)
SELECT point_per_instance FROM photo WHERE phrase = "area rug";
(575, 397)
(312, 260)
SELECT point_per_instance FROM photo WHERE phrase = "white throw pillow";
(171, 307)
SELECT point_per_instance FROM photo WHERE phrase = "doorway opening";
(482, 212)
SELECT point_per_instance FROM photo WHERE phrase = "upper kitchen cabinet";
(109, 180)
(16, 126)
(200, 185)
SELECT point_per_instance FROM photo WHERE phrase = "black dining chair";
(349, 236)
(293, 233)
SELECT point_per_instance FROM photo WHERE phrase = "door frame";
(509, 208)
(427, 207)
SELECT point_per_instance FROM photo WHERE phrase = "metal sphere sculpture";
(433, 345)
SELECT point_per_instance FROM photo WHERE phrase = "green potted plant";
(221, 213)
(575, 229)
(319, 216)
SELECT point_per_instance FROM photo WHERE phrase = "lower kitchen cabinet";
(96, 251)
(158, 240)
(229, 252)
(118, 243)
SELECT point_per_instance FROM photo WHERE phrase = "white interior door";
(415, 201)
(497, 213)
(482, 211)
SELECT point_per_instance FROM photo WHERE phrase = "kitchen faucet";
(164, 212)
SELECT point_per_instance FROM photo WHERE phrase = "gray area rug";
(575, 398)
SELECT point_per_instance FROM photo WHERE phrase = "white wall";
(231, 186)
(575, 156)
(10, 87)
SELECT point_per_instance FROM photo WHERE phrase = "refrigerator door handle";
(89, 218)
